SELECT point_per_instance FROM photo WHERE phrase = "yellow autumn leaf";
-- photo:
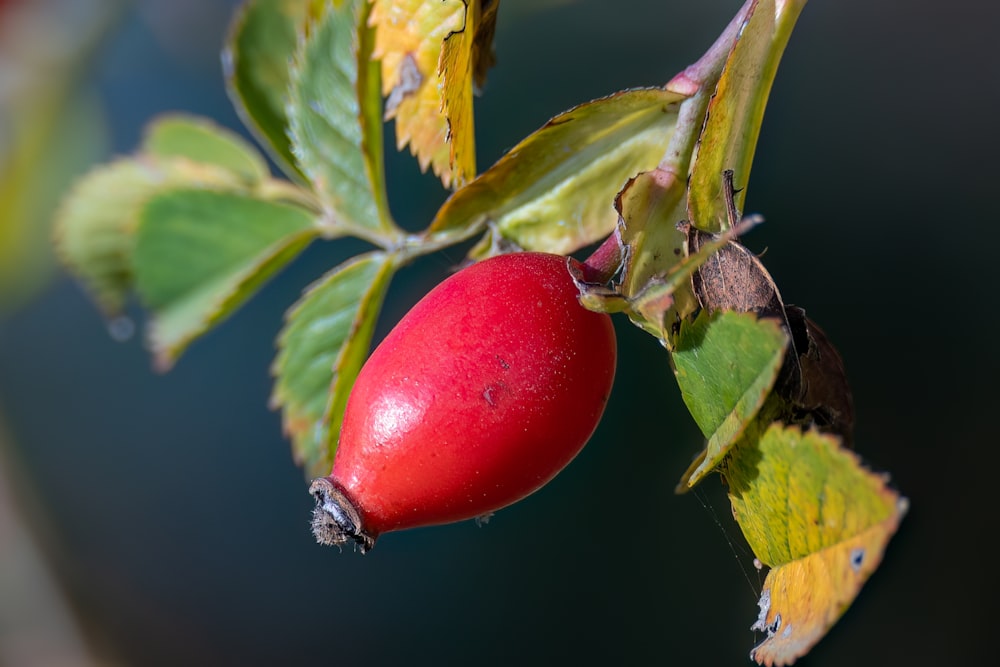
(431, 54)
(819, 519)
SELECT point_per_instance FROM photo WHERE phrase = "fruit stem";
(602, 264)
(335, 518)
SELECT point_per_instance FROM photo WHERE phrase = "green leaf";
(96, 223)
(322, 347)
(199, 254)
(201, 140)
(262, 40)
(554, 190)
(726, 364)
(336, 125)
(814, 514)
(729, 137)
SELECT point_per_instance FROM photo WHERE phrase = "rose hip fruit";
(480, 395)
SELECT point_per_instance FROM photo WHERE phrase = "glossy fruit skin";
(481, 394)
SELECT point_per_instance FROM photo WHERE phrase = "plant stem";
(602, 264)
(699, 80)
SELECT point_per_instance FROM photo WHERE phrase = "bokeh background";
(153, 519)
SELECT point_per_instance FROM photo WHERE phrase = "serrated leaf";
(322, 347)
(96, 222)
(432, 54)
(824, 395)
(335, 121)
(811, 512)
(199, 254)
(729, 137)
(263, 37)
(203, 141)
(554, 190)
(409, 39)
(725, 364)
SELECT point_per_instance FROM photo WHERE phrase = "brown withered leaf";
(484, 55)
(812, 380)
(825, 397)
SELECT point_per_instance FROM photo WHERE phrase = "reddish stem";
(602, 264)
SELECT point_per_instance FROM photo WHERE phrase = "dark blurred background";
(176, 524)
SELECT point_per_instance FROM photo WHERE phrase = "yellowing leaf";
(819, 519)
(430, 53)
(455, 70)
(44, 144)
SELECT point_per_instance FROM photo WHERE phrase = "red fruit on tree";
(480, 395)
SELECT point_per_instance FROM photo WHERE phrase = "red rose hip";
(484, 391)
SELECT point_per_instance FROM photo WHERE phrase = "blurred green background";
(169, 508)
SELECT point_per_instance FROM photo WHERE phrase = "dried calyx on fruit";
(480, 395)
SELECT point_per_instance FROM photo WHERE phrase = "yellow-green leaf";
(52, 128)
(555, 190)
(322, 347)
(729, 137)
(821, 521)
(649, 207)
